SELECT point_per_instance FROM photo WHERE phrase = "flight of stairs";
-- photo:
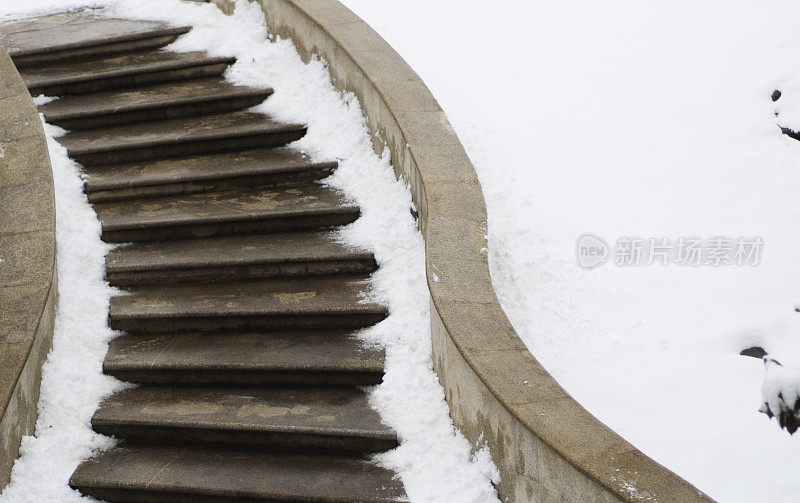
(241, 308)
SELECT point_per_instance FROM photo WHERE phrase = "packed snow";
(633, 121)
(435, 462)
(781, 394)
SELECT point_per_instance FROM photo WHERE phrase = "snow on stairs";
(241, 303)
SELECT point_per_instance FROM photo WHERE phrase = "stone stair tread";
(319, 350)
(77, 30)
(162, 95)
(300, 296)
(231, 251)
(321, 411)
(116, 66)
(229, 474)
(54, 20)
(225, 206)
(198, 168)
(185, 129)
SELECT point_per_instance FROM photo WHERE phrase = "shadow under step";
(282, 209)
(313, 302)
(153, 103)
(214, 171)
(80, 35)
(337, 420)
(158, 473)
(123, 71)
(330, 358)
(178, 137)
(229, 258)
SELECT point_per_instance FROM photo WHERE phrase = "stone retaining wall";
(28, 268)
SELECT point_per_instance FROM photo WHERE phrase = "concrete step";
(157, 473)
(314, 302)
(229, 258)
(242, 313)
(329, 358)
(120, 71)
(338, 420)
(81, 35)
(178, 137)
(215, 171)
(279, 209)
(152, 103)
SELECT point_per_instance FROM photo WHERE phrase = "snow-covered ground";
(631, 119)
(623, 119)
(435, 462)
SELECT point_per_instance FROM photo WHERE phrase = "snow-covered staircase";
(241, 303)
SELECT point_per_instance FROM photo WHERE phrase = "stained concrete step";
(230, 258)
(152, 103)
(121, 71)
(179, 137)
(314, 302)
(78, 35)
(156, 473)
(338, 420)
(289, 357)
(279, 209)
(215, 171)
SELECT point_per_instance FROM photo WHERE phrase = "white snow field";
(435, 462)
(643, 120)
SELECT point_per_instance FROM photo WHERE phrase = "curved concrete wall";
(548, 448)
(28, 269)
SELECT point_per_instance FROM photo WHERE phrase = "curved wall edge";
(28, 273)
(547, 447)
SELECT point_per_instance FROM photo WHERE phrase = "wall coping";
(28, 269)
(403, 115)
